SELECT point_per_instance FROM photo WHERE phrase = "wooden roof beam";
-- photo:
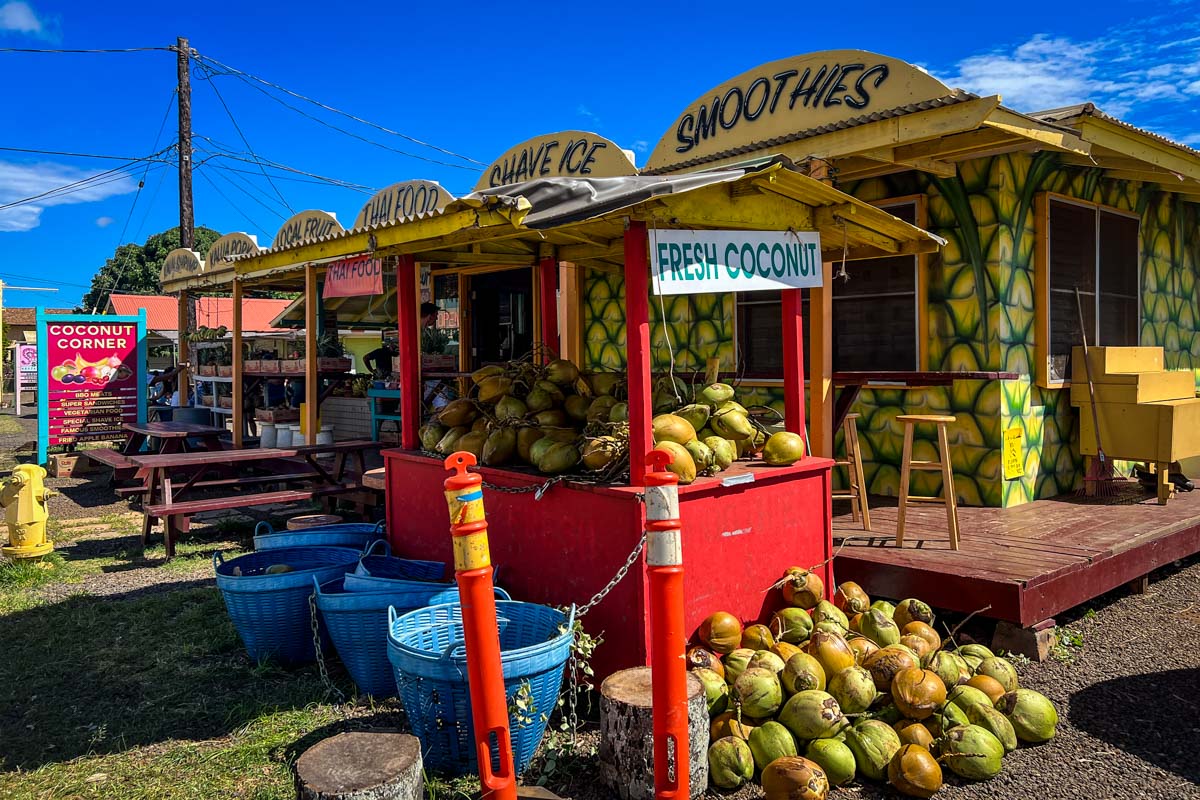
(888, 155)
(1024, 127)
(1140, 147)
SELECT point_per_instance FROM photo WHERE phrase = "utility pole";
(3, 346)
(187, 234)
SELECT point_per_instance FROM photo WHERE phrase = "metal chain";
(316, 634)
(538, 490)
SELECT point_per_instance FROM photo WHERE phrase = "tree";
(136, 268)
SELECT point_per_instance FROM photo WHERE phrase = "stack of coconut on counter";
(830, 691)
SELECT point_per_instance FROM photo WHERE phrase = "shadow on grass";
(101, 675)
(1146, 716)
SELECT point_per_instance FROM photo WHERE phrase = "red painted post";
(410, 351)
(637, 346)
(793, 363)
(668, 640)
(548, 302)
(485, 673)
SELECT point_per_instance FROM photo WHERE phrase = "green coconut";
(577, 407)
(887, 608)
(730, 763)
(802, 672)
(853, 688)
(791, 625)
(765, 659)
(812, 714)
(696, 414)
(619, 413)
(782, 448)
(1033, 716)
(737, 662)
(770, 741)
(950, 716)
(912, 610)
(724, 452)
(948, 666)
(995, 723)
(500, 447)
(715, 393)
(672, 428)
(873, 743)
(449, 440)
(758, 692)
(826, 611)
(430, 434)
(716, 690)
(535, 401)
(1001, 670)
(834, 757)
(879, 628)
(732, 424)
(975, 651)
(965, 696)
(701, 454)
(562, 372)
(971, 752)
(559, 457)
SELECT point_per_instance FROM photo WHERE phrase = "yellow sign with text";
(1014, 453)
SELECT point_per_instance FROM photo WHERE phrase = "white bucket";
(283, 436)
(298, 439)
(326, 435)
(266, 435)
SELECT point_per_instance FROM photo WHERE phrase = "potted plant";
(331, 355)
(206, 366)
(223, 356)
(250, 364)
(295, 360)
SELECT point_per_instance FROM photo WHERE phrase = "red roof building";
(162, 313)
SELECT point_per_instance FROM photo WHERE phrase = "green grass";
(9, 425)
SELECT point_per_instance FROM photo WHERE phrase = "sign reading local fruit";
(699, 262)
(91, 378)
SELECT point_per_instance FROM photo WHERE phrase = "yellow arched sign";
(306, 226)
(787, 97)
(223, 250)
(568, 154)
(402, 201)
(180, 268)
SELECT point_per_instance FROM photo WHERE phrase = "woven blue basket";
(271, 612)
(351, 534)
(357, 623)
(391, 568)
(427, 653)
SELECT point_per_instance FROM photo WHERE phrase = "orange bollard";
(668, 641)
(485, 674)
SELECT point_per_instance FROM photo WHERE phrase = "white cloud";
(584, 111)
(641, 146)
(18, 17)
(21, 181)
(104, 222)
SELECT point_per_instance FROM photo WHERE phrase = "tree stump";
(361, 766)
(627, 735)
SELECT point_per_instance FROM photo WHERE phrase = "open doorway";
(501, 316)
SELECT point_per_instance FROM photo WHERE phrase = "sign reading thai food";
(306, 226)
(789, 97)
(90, 380)
(403, 201)
(569, 154)
(180, 267)
(699, 262)
(354, 277)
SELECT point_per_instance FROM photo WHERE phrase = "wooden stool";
(857, 493)
(312, 520)
(942, 465)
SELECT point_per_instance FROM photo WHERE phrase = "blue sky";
(474, 79)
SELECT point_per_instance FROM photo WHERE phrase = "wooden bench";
(123, 468)
(253, 480)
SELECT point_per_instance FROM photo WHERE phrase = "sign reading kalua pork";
(699, 262)
(354, 277)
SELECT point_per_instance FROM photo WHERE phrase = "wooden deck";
(1029, 563)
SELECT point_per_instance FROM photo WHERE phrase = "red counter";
(562, 549)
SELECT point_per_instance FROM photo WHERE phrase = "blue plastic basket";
(427, 653)
(350, 534)
(391, 568)
(271, 612)
(357, 623)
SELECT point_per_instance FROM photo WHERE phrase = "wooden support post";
(362, 766)
(239, 405)
(570, 337)
(637, 333)
(312, 378)
(548, 302)
(182, 349)
(1036, 641)
(793, 360)
(627, 735)
(410, 351)
(820, 368)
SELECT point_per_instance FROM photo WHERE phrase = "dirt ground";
(1125, 680)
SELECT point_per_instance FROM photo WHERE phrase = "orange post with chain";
(668, 640)
(485, 673)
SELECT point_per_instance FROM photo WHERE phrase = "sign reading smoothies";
(91, 378)
(699, 262)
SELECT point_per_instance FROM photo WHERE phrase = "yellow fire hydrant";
(23, 497)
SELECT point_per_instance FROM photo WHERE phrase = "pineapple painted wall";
(981, 317)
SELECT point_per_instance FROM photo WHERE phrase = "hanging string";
(841, 273)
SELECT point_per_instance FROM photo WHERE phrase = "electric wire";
(66, 153)
(103, 50)
(246, 76)
(336, 184)
(232, 205)
(162, 174)
(252, 197)
(99, 179)
(259, 161)
(245, 141)
(42, 280)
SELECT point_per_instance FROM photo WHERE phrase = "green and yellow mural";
(981, 317)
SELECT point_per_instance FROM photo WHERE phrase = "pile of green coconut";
(828, 692)
(557, 420)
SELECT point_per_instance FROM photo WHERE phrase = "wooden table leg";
(147, 520)
(133, 445)
(1162, 474)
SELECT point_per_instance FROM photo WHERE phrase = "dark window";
(874, 317)
(1091, 248)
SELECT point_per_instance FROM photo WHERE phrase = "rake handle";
(1087, 368)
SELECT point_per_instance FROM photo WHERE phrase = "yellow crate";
(1115, 361)
(1142, 387)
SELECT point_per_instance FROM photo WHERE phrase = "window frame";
(1041, 274)
(920, 293)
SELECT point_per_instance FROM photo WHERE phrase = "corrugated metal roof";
(162, 313)
(956, 96)
(1067, 113)
(23, 317)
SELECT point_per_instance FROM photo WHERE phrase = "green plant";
(329, 345)
(1067, 643)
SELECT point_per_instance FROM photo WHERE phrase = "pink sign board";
(94, 381)
(26, 359)
(354, 277)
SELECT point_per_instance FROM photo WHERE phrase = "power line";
(232, 205)
(247, 77)
(235, 177)
(252, 197)
(105, 50)
(334, 183)
(41, 280)
(246, 142)
(108, 176)
(65, 153)
(162, 174)
(260, 161)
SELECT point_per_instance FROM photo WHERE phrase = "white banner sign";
(699, 262)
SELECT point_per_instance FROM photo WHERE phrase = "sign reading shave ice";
(568, 154)
(787, 97)
(699, 262)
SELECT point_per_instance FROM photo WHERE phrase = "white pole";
(16, 370)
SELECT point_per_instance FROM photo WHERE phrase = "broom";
(1098, 482)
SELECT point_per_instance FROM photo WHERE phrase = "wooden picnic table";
(162, 498)
(172, 436)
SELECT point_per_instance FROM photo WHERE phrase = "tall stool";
(857, 493)
(942, 465)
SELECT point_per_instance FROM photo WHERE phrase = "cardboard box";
(71, 465)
